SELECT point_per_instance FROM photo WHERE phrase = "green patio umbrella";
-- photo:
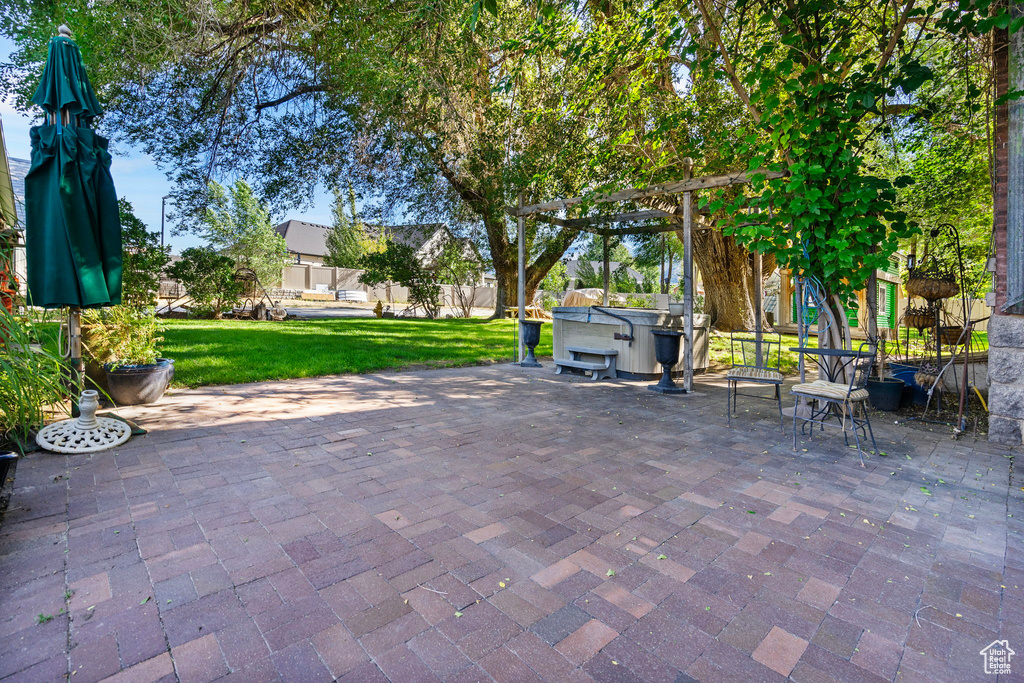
(72, 229)
(72, 226)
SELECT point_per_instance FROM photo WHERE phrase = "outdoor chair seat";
(755, 374)
(831, 400)
(820, 388)
(757, 359)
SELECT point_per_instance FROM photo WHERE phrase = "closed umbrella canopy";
(72, 225)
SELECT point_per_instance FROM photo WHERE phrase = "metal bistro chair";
(835, 396)
(747, 368)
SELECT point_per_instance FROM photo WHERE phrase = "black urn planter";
(666, 352)
(530, 329)
(885, 394)
(132, 385)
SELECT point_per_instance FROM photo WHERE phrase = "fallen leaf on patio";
(611, 572)
(145, 600)
(662, 557)
(925, 491)
(458, 614)
(751, 512)
(501, 584)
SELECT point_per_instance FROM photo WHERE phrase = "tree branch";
(298, 92)
(716, 36)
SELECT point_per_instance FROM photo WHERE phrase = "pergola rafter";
(599, 225)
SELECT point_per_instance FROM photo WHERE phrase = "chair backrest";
(743, 346)
(862, 364)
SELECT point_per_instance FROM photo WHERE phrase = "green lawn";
(232, 352)
(721, 358)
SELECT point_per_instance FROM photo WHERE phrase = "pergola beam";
(635, 193)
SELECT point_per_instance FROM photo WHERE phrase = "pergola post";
(800, 332)
(758, 305)
(688, 280)
(521, 281)
(607, 270)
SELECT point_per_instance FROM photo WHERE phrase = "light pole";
(163, 211)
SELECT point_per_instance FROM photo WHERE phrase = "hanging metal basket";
(919, 318)
(932, 288)
(954, 335)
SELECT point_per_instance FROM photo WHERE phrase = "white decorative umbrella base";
(87, 434)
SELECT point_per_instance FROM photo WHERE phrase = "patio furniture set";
(839, 395)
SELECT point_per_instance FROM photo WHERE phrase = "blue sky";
(136, 175)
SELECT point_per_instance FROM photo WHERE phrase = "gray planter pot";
(132, 385)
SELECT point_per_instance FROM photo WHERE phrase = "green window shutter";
(894, 266)
(890, 296)
(851, 314)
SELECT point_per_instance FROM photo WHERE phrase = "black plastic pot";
(666, 352)
(7, 458)
(885, 394)
(530, 329)
(132, 385)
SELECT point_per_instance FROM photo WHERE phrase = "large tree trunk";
(728, 276)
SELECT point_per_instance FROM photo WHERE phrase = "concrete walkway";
(496, 523)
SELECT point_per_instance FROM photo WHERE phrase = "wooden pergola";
(602, 225)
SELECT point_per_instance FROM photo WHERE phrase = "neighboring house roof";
(304, 238)
(311, 238)
(571, 268)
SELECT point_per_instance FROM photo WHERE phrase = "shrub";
(31, 381)
(398, 263)
(144, 260)
(640, 301)
(209, 279)
(121, 335)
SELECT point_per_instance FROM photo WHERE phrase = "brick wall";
(1006, 332)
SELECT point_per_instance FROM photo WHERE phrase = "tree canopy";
(237, 223)
(448, 110)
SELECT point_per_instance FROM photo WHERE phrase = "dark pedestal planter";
(132, 385)
(530, 329)
(885, 394)
(666, 352)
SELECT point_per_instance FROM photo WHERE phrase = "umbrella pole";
(77, 367)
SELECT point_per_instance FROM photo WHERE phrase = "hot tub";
(586, 326)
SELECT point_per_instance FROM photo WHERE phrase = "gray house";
(307, 242)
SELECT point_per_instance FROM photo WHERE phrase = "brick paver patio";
(507, 524)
